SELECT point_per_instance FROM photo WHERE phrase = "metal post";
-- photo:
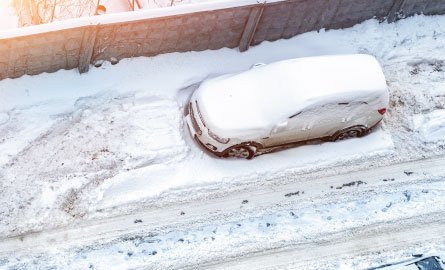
(251, 26)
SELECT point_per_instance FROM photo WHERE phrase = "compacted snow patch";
(200, 168)
(431, 126)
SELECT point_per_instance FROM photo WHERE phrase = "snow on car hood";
(253, 102)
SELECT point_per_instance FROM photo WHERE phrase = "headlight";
(199, 114)
(217, 138)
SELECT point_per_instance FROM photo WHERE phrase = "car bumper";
(206, 145)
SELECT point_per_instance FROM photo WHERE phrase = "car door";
(334, 116)
(294, 129)
(326, 120)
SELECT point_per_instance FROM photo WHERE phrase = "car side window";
(302, 120)
(429, 263)
(294, 115)
(321, 114)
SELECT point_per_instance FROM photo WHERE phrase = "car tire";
(239, 151)
(351, 132)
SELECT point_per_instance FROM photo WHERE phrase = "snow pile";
(8, 17)
(431, 126)
(200, 168)
(430, 122)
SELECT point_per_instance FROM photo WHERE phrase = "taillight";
(382, 111)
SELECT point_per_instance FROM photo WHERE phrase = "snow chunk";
(3, 118)
(431, 126)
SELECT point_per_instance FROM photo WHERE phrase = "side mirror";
(280, 127)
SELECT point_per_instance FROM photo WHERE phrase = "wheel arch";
(361, 128)
(253, 146)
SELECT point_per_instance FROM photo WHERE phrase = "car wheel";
(349, 133)
(239, 151)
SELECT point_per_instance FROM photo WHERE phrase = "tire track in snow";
(311, 191)
(404, 234)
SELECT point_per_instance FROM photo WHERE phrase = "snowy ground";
(79, 147)
(352, 215)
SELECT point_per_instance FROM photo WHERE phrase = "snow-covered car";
(420, 263)
(288, 103)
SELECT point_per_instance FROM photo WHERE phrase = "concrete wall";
(191, 32)
(35, 54)
(241, 27)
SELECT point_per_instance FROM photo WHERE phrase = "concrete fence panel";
(190, 32)
(428, 7)
(212, 28)
(35, 54)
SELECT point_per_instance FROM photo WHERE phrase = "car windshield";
(429, 264)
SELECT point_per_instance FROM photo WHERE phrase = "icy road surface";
(338, 251)
(75, 150)
(345, 210)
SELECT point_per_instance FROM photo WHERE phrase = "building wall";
(241, 27)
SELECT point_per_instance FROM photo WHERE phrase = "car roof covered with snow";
(237, 105)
